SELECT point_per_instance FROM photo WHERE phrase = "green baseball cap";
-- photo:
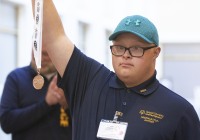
(137, 25)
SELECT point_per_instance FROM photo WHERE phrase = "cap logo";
(137, 22)
(128, 21)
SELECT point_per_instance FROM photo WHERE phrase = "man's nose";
(127, 53)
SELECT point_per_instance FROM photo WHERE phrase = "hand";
(62, 101)
(55, 94)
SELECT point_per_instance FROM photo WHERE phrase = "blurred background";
(89, 23)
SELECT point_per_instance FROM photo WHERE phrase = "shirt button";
(124, 103)
(128, 90)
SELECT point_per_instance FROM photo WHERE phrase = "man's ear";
(157, 52)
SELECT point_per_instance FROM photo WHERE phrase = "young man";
(31, 114)
(127, 104)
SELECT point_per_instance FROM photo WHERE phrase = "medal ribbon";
(37, 37)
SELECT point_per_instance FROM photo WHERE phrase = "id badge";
(112, 130)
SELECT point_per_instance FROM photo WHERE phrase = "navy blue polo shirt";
(152, 111)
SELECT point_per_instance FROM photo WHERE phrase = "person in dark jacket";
(31, 114)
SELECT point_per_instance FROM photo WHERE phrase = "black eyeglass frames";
(134, 51)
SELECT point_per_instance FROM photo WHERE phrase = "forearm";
(58, 45)
(20, 119)
(52, 25)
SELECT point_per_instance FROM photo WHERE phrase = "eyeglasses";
(135, 51)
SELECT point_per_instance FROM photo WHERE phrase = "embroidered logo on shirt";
(150, 117)
(64, 118)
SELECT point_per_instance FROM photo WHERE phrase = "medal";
(38, 81)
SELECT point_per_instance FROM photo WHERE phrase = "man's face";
(134, 70)
(47, 66)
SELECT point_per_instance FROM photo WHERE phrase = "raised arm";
(59, 46)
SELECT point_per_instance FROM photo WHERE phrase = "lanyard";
(37, 37)
(38, 80)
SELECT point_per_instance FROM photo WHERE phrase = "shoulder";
(174, 98)
(21, 71)
(174, 105)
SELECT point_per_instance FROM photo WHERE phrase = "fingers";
(53, 84)
(55, 94)
(62, 101)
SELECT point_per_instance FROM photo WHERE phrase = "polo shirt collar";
(145, 88)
